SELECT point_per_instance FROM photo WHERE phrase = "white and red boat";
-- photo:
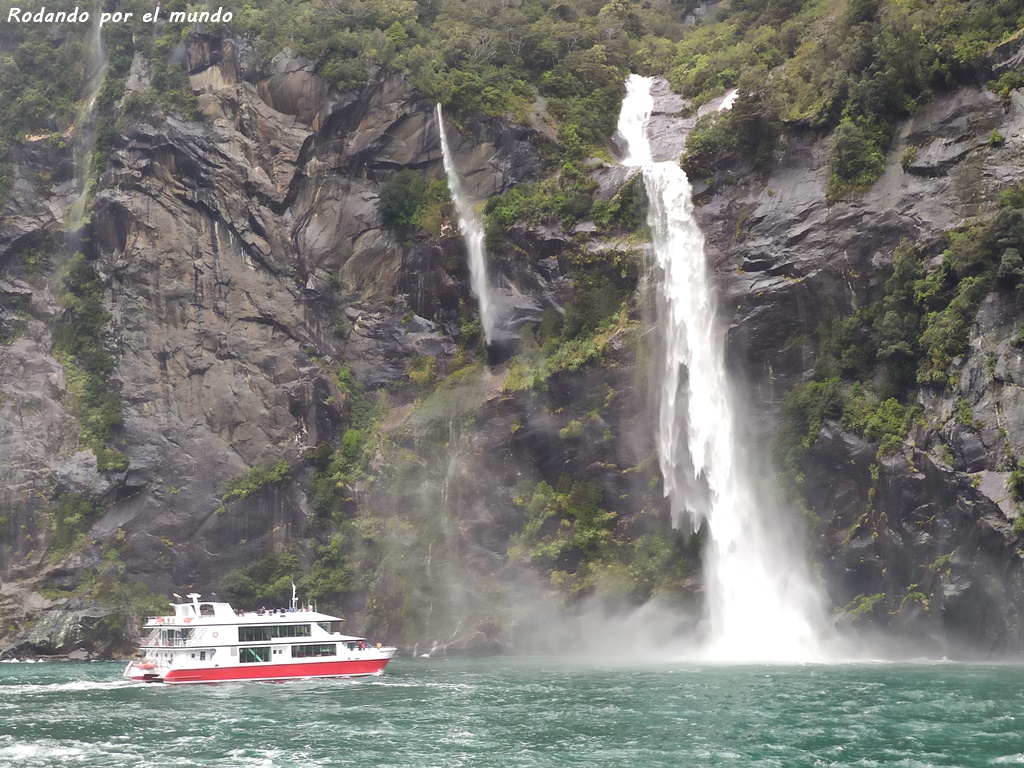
(210, 642)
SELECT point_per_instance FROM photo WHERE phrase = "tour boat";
(210, 642)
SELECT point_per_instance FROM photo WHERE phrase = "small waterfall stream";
(760, 601)
(85, 126)
(472, 230)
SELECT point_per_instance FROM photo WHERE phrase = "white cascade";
(472, 230)
(760, 601)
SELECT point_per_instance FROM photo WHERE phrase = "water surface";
(523, 712)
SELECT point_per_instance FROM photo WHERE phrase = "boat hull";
(270, 673)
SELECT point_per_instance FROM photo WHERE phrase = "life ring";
(146, 665)
(159, 619)
(188, 619)
(215, 635)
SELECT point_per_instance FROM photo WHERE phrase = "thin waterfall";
(85, 126)
(760, 602)
(472, 230)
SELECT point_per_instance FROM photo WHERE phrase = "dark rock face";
(937, 552)
(244, 257)
(230, 251)
(921, 543)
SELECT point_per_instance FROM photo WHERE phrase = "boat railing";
(172, 643)
(164, 637)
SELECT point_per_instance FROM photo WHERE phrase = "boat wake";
(75, 686)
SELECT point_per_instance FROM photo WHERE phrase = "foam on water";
(76, 685)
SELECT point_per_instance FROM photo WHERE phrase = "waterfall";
(85, 126)
(760, 602)
(472, 230)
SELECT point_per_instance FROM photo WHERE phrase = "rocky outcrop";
(243, 258)
(922, 542)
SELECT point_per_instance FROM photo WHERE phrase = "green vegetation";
(574, 430)
(335, 471)
(872, 363)
(566, 198)
(248, 483)
(267, 582)
(469, 56)
(109, 584)
(410, 203)
(851, 68)
(43, 81)
(79, 345)
(422, 371)
(1015, 484)
(39, 81)
(603, 284)
(69, 523)
(861, 607)
(885, 422)
(563, 528)
(847, 70)
(567, 532)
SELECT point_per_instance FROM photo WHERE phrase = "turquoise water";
(523, 712)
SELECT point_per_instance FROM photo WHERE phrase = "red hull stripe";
(276, 671)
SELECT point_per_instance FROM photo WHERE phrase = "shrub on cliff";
(248, 483)
(409, 201)
(78, 343)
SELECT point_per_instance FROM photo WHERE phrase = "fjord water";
(760, 600)
(523, 712)
(472, 230)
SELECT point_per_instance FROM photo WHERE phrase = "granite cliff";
(250, 279)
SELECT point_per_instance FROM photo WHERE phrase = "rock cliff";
(921, 542)
(244, 260)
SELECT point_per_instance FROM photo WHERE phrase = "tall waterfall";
(760, 602)
(85, 125)
(472, 230)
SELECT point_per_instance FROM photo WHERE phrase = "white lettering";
(116, 17)
(220, 16)
(42, 16)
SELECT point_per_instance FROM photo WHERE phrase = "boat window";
(251, 655)
(308, 651)
(175, 636)
(206, 609)
(271, 631)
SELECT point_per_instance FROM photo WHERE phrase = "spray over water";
(760, 601)
(472, 230)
